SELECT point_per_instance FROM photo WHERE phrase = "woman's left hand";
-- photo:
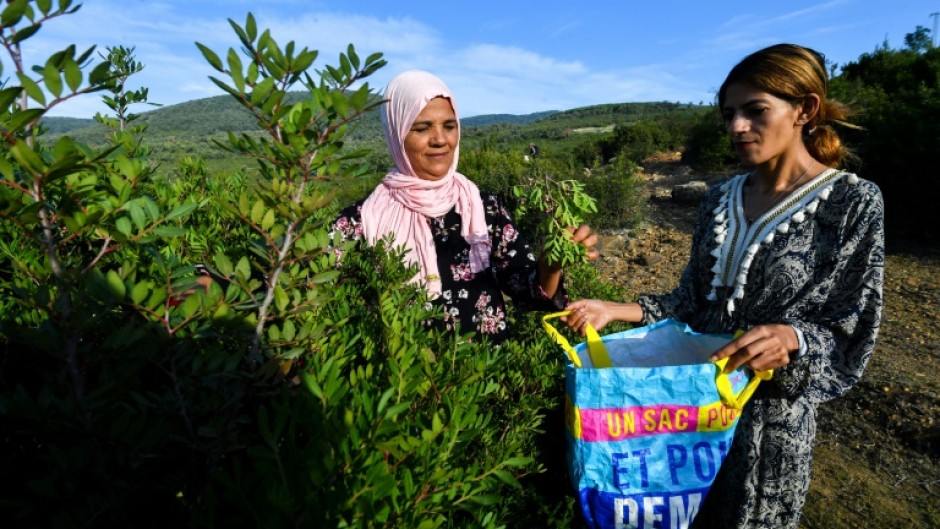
(761, 348)
(583, 236)
(550, 273)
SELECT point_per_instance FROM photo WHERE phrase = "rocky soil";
(877, 460)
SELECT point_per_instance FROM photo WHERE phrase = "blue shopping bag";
(649, 422)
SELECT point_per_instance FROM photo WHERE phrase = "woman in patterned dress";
(793, 253)
(468, 251)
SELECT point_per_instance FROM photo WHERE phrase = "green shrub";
(707, 147)
(284, 391)
(897, 94)
(616, 189)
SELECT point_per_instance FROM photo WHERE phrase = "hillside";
(199, 119)
(498, 119)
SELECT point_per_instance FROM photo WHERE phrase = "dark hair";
(790, 72)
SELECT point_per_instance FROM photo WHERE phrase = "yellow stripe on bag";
(595, 346)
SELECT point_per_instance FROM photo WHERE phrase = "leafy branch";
(559, 206)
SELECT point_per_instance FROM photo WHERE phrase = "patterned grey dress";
(815, 262)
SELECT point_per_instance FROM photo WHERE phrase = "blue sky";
(497, 57)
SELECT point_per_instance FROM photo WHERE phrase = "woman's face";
(432, 140)
(761, 126)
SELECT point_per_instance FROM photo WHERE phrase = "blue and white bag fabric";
(650, 420)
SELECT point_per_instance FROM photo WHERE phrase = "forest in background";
(289, 391)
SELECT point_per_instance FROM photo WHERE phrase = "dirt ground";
(877, 455)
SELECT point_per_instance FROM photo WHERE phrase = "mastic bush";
(189, 350)
(896, 94)
(707, 147)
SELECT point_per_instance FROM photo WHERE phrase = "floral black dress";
(475, 302)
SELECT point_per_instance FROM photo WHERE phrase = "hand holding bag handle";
(600, 359)
(595, 346)
(728, 398)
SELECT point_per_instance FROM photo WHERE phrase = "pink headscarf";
(403, 202)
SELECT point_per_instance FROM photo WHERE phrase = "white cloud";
(331, 33)
(486, 77)
(518, 62)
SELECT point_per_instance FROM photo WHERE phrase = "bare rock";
(689, 194)
(610, 243)
(649, 259)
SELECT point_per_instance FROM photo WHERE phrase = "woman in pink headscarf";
(463, 240)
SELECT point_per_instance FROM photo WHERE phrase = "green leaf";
(6, 168)
(397, 409)
(244, 206)
(53, 80)
(268, 220)
(124, 226)
(235, 70)
(73, 75)
(169, 231)
(157, 298)
(243, 268)
(485, 499)
(345, 66)
(281, 300)
(326, 277)
(137, 215)
(27, 158)
(190, 305)
(384, 400)
(257, 212)
(311, 383)
(100, 73)
(288, 330)
(25, 33)
(353, 58)
(223, 264)
(243, 37)
(211, 57)
(140, 291)
(32, 89)
(115, 284)
(181, 210)
(85, 55)
(262, 90)
(251, 28)
(150, 207)
(506, 477)
(23, 118)
(517, 461)
(13, 13)
(8, 96)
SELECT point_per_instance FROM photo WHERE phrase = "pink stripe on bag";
(614, 424)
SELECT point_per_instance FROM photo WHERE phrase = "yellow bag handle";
(726, 392)
(600, 358)
(595, 346)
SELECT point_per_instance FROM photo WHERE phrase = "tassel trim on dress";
(729, 221)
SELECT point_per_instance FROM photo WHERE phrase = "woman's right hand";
(588, 311)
